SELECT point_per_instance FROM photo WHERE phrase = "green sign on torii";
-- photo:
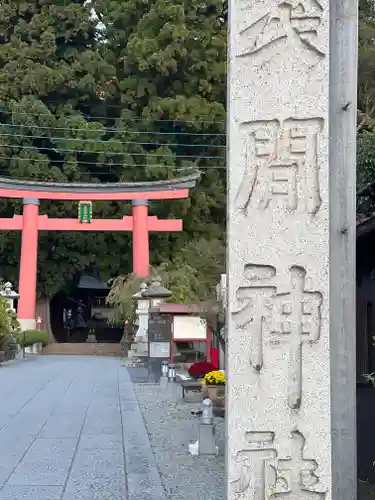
(85, 211)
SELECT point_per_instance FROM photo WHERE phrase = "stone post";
(291, 250)
(206, 443)
(206, 436)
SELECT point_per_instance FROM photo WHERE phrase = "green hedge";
(31, 337)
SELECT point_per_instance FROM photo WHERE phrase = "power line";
(92, 117)
(118, 106)
(109, 164)
(157, 155)
(111, 141)
(112, 130)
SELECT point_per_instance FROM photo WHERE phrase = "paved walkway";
(71, 429)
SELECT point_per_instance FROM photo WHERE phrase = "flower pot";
(216, 393)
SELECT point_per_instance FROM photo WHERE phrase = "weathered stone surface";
(47, 462)
(31, 492)
(291, 353)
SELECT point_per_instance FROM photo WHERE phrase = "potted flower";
(200, 369)
(214, 387)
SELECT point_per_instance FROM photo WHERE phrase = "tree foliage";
(366, 101)
(192, 279)
(366, 59)
(9, 325)
(134, 92)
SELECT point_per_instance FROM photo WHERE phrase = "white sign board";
(189, 328)
(160, 350)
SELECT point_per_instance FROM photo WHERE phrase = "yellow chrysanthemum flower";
(214, 378)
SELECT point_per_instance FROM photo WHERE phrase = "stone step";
(83, 349)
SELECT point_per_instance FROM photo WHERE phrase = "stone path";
(71, 429)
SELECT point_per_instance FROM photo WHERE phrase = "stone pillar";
(291, 250)
(141, 252)
(28, 267)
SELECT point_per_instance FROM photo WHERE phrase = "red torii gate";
(31, 222)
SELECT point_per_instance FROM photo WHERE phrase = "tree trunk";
(43, 310)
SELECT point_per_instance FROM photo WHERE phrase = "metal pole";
(126, 334)
(164, 368)
(172, 373)
(164, 375)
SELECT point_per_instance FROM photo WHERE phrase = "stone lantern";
(156, 293)
(9, 295)
(141, 336)
(147, 297)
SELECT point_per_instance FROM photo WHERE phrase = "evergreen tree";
(52, 77)
(171, 66)
(366, 101)
(366, 60)
(139, 95)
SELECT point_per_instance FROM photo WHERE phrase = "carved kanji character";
(293, 317)
(263, 475)
(296, 318)
(281, 165)
(293, 24)
(295, 476)
(252, 312)
(253, 463)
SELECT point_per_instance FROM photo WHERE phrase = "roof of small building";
(90, 282)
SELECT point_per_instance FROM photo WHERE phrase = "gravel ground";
(171, 428)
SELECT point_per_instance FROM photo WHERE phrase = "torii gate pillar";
(28, 266)
(29, 255)
(141, 251)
